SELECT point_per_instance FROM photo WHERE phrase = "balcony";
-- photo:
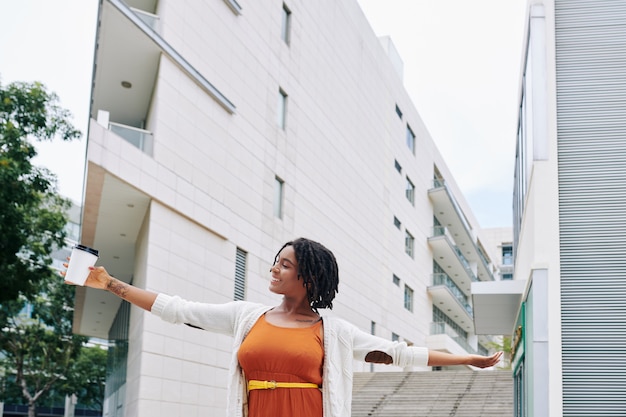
(450, 257)
(450, 299)
(447, 210)
(443, 338)
(447, 294)
(127, 57)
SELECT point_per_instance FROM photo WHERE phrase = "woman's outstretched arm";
(99, 278)
(436, 358)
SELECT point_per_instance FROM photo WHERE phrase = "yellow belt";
(254, 384)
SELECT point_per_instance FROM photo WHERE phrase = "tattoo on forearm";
(118, 288)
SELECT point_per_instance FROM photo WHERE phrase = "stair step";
(433, 394)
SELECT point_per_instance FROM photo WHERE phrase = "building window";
(507, 254)
(240, 274)
(398, 112)
(282, 109)
(279, 185)
(395, 337)
(507, 277)
(285, 27)
(398, 166)
(396, 222)
(410, 191)
(396, 280)
(410, 139)
(409, 243)
(408, 298)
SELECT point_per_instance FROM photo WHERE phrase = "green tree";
(504, 345)
(37, 342)
(87, 377)
(37, 347)
(32, 214)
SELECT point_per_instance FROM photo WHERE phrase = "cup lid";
(87, 249)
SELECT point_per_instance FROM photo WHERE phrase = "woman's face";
(285, 274)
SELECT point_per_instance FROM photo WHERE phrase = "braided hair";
(318, 269)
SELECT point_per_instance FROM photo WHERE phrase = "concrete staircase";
(433, 394)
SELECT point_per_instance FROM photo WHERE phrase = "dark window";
(396, 280)
(398, 166)
(398, 111)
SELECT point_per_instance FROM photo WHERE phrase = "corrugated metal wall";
(591, 105)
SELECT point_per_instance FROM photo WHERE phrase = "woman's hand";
(98, 277)
(485, 361)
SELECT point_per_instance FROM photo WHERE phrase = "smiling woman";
(288, 359)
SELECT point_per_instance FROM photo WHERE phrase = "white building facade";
(220, 130)
(569, 228)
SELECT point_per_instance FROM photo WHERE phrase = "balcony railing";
(443, 328)
(441, 183)
(139, 138)
(444, 279)
(443, 231)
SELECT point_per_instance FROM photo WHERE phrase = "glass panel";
(278, 198)
(410, 191)
(285, 24)
(282, 109)
(408, 298)
(139, 138)
(410, 139)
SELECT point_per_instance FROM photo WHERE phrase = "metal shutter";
(591, 109)
(240, 274)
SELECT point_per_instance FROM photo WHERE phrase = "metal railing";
(445, 280)
(441, 183)
(443, 231)
(444, 328)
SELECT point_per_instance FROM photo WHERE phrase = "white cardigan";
(343, 342)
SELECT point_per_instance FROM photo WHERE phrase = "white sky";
(461, 69)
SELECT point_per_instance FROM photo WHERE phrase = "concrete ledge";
(496, 304)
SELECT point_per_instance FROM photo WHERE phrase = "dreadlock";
(318, 269)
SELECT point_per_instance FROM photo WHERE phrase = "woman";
(288, 360)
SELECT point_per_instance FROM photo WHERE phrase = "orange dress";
(272, 353)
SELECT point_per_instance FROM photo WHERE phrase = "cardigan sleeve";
(401, 354)
(220, 318)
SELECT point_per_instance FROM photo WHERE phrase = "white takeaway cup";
(81, 259)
